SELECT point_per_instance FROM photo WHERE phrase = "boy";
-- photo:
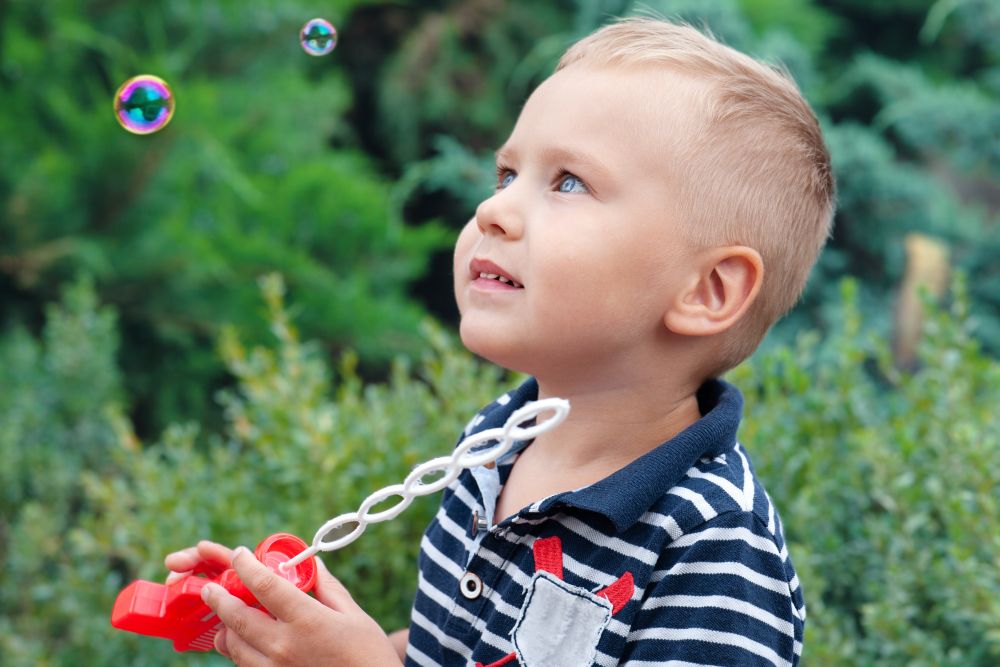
(659, 205)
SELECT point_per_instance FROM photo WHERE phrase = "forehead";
(636, 116)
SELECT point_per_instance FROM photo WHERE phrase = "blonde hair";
(756, 174)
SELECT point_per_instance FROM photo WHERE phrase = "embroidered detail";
(561, 625)
(506, 660)
(548, 556)
(619, 593)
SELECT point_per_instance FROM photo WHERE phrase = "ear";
(725, 283)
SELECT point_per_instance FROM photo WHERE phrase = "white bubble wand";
(463, 457)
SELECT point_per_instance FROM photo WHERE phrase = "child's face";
(584, 221)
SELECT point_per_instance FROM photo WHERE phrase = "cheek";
(464, 246)
(617, 287)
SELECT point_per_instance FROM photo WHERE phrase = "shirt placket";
(480, 576)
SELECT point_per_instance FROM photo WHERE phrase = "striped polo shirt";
(676, 559)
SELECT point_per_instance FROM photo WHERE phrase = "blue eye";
(506, 179)
(570, 183)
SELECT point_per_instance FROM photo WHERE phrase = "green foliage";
(885, 192)
(889, 486)
(175, 226)
(280, 162)
(805, 21)
(302, 444)
(56, 393)
(58, 414)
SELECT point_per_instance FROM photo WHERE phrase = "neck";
(609, 426)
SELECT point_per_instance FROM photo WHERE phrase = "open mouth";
(487, 274)
(502, 279)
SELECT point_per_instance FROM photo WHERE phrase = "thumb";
(331, 592)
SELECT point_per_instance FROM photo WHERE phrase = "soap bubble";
(318, 37)
(144, 104)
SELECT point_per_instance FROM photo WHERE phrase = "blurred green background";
(244, 324)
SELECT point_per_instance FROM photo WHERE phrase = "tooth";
(491, 276)
(503, 280)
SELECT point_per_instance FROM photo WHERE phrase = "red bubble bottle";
(176, 611)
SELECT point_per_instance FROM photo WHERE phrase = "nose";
(500, 214)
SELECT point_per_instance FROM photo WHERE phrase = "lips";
(480, 268)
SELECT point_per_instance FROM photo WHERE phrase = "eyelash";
(503, 170)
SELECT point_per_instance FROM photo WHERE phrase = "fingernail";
(175, 576)
(207, 590)
(239, 550)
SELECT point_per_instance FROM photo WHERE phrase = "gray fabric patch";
(559, 625)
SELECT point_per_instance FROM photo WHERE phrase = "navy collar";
(628, 493)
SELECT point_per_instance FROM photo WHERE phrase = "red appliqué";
(549, 558)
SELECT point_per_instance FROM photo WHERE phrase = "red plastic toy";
(176, 611)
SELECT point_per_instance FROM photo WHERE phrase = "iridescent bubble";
(144, 104)
(318, 37)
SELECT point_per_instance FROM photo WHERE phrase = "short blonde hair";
(756, 174)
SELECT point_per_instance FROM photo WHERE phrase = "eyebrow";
(560, 155)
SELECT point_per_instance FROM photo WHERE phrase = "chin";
(495, 346)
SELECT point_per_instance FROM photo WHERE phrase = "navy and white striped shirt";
(676, 559)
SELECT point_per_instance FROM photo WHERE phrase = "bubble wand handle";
(465, 456)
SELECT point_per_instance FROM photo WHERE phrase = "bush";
(888, 482)
(176, 226)
(58, 411)
(889, 486)
(295, 453)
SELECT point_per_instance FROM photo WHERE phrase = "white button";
(471, 586)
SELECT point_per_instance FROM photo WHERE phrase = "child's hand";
(182, 563)
(330, 629)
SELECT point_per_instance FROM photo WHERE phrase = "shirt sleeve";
(723, 594)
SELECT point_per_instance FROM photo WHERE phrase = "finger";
(279, 595)
(331, 592)
(183, 560)
(215, 553)
(174, 576)
(220, 642)
(205, 551)
(253, 626)
(241, 652)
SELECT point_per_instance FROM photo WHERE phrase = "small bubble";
(318, 37)
(144, 104)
